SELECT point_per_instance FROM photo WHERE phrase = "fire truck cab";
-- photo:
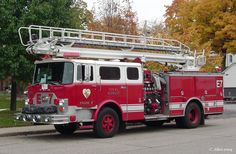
(69, 91)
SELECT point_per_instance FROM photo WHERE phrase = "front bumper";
(44, 118)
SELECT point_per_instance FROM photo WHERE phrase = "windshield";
(54, 73)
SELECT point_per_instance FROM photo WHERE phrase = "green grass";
(7, 118)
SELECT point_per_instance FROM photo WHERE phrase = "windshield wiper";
(53, 82)
(36, 83)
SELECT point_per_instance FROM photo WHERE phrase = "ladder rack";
(75, 36)
(65, 41)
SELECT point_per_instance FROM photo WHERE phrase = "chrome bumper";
(43, 118)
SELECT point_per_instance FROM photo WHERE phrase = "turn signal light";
(56, 101)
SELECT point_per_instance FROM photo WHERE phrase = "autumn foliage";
(204, 24)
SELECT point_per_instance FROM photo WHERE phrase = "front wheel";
(66, 129)
(107, 124)
(192, 118)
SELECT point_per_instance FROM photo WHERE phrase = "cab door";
(112, 86)
(86, 87)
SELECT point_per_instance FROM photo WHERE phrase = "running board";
(156, 117)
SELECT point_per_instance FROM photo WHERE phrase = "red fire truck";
(77, 84)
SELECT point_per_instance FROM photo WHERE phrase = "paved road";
(217, 136)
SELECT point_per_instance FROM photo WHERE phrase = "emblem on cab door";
(86, 93)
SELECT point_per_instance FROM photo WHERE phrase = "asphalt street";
(217, 136)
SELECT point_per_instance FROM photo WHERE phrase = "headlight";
(27, 101)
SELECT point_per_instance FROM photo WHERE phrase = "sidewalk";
(29, 130)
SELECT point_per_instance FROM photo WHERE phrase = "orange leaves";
(204, 24)
(156, 67)
(212, 63)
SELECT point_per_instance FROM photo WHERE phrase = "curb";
(27, 133)
(26, 130)
(33, 130)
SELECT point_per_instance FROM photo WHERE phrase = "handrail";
(103, 38)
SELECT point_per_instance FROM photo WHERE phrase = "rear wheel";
(66, 129)
(107, 124)
(192, 118)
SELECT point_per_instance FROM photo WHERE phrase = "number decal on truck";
(219, 83)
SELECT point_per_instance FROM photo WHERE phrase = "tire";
(192, 118)
(66, 129)
(107, 124)
(154, 123)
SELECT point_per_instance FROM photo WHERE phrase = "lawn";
(7, 118)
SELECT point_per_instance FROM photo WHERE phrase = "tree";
(155, 29)
(14, 61)
(113, 16)
(130, 19)
(208, 24)
(181, 23)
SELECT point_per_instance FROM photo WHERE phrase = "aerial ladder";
(61, 42)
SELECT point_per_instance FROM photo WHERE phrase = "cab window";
(81, 73)
(109, 73)
(132, 73)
